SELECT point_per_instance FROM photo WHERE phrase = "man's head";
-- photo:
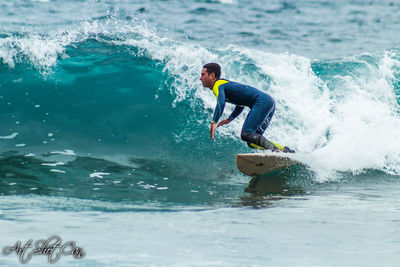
(210, 73)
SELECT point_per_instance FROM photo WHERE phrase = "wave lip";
(41, 51)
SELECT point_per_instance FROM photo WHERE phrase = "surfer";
(262, 108)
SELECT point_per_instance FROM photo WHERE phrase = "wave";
(105, 90)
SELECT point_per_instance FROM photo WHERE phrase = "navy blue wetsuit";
(262, 108)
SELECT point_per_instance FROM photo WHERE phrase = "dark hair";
(213, 68)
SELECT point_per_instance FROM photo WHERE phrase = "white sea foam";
(11, 136)
(41, 51)
(58, 171)
(67, 152)
(98, 174)
(20, 145)
(53, 164)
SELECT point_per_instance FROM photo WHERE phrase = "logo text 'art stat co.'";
(53, 248)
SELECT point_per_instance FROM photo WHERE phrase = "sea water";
(105, 133)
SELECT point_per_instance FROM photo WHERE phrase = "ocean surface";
(105, 141)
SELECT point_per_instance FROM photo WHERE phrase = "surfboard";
(254, 164)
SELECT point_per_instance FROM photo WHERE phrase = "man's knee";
(258, 140)
(243, 136)
(247, 136)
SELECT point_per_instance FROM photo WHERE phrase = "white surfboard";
(254, 164)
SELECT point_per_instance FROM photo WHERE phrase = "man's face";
(207, 79)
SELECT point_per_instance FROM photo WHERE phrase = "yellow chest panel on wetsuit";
(216, 86)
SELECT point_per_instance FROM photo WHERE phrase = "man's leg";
(257, 122)
(254, 127)
(265, 123)
(264, 126)
(258, 141)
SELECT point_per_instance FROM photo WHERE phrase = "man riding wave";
(262, 108)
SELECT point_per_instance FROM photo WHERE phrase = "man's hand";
(212, 130)
(223, 122)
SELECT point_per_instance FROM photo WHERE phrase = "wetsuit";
(262, 108)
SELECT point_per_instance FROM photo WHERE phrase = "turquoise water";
(105, 137)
